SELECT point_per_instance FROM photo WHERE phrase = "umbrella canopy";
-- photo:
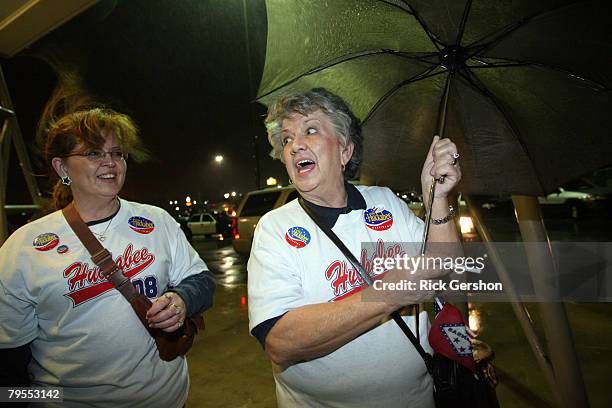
(528, 95)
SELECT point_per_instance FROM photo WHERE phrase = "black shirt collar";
(110, 217)
(329, 216)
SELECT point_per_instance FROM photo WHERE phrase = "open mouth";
(107, 176)
(305, 165)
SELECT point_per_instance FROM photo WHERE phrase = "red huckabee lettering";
(345, 280)
(380, 252)
(342, 279)
(85, 283)
(128, 259)
(137, 256)
(80, 275)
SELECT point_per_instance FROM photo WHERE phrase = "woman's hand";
(441, 161)
(167, 312)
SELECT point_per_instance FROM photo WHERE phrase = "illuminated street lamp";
(233, 194)
(218, 158)
(226, 195)
(271, 181)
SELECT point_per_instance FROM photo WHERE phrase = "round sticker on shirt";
(378, 220)
(46, 241)
(62, 249)
(297, 237)
(141, 225)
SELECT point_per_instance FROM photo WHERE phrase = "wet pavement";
(229, 369)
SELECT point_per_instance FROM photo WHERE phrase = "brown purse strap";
(99, 255)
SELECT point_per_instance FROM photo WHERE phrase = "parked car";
(576, 197)
(253, 206)
(202, 224)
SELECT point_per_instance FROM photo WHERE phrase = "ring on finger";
(455, 158)
(180, 322)
(177, 309)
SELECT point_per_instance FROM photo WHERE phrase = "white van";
(253, 206)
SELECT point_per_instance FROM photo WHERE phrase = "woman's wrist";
(446, 218)
(440, 207)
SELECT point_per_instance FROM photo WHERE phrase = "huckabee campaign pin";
(141, 225)
(378, 220)
(46, 241)
(297, 237)
(62, 249)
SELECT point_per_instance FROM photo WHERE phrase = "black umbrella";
(527, 83)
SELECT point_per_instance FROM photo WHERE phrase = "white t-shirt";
(85, 336)
(293, 264)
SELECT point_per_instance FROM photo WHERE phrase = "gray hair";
(345, 123)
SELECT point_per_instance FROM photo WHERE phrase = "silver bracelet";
(450, 216)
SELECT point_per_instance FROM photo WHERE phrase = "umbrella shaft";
(432, 191)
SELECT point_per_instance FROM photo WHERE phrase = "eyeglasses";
(99, 155)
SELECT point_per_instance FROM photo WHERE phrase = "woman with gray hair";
(329, 347)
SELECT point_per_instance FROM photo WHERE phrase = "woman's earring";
(343, 167)
(66, 180)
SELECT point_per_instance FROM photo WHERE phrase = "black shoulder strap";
(366, 277)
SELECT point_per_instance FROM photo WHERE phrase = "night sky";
(181, 70)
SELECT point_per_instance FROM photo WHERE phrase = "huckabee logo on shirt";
(46, 241)
(378, 219)
(141, 225)
(345, 280)
(85, 281)
(297, 237)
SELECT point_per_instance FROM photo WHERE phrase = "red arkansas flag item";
(450, 335)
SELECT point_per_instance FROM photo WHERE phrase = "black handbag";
(454, 385)
(457, 386)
